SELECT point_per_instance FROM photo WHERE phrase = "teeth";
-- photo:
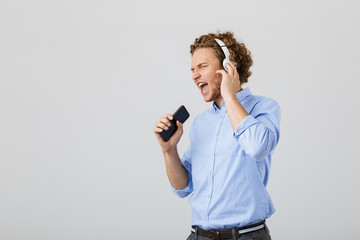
(201, 84)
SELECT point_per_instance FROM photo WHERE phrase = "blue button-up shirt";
(228, 171)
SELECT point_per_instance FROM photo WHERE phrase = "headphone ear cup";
(224, 65)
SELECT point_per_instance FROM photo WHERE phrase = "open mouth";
(202, 84)
(203, 88)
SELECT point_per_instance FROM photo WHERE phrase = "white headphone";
(226, 52)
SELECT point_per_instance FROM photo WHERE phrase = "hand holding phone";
(180, 115)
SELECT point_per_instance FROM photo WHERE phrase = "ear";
(219, 74)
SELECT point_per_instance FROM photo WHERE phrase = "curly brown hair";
(238, 52)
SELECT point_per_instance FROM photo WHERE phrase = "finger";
(180, 127)
(222, 72)
(179, 131)
(224, 75)
(165, 121)
(179, 124)
(230, 68)
(162, 126)
(158, 136)
(158, 130)
(170, 116)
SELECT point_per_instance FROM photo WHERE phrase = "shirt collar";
(241, 95)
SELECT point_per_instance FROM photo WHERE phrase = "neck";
(218, 100)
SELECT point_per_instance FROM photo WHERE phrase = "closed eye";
(201, 65)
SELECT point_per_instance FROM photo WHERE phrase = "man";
(226, 167)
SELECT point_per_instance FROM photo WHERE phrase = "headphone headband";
(225, 51)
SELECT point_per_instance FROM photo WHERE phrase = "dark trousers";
(262, 234)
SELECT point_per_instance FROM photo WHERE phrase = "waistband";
(228, 233)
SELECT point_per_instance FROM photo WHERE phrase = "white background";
(82, 84)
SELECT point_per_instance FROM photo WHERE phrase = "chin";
(208, 99)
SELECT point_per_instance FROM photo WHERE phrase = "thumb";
(180, 127)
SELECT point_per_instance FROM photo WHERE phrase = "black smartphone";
(180, 115)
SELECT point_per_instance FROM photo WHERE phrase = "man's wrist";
(169, 151)
(230, 97)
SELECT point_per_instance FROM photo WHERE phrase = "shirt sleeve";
(186, 162)
(258, 133)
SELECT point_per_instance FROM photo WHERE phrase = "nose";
(195, 75)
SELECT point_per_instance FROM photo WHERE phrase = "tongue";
(204, 89)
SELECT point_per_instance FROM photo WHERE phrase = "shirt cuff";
(183, 192)
(245, 124)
